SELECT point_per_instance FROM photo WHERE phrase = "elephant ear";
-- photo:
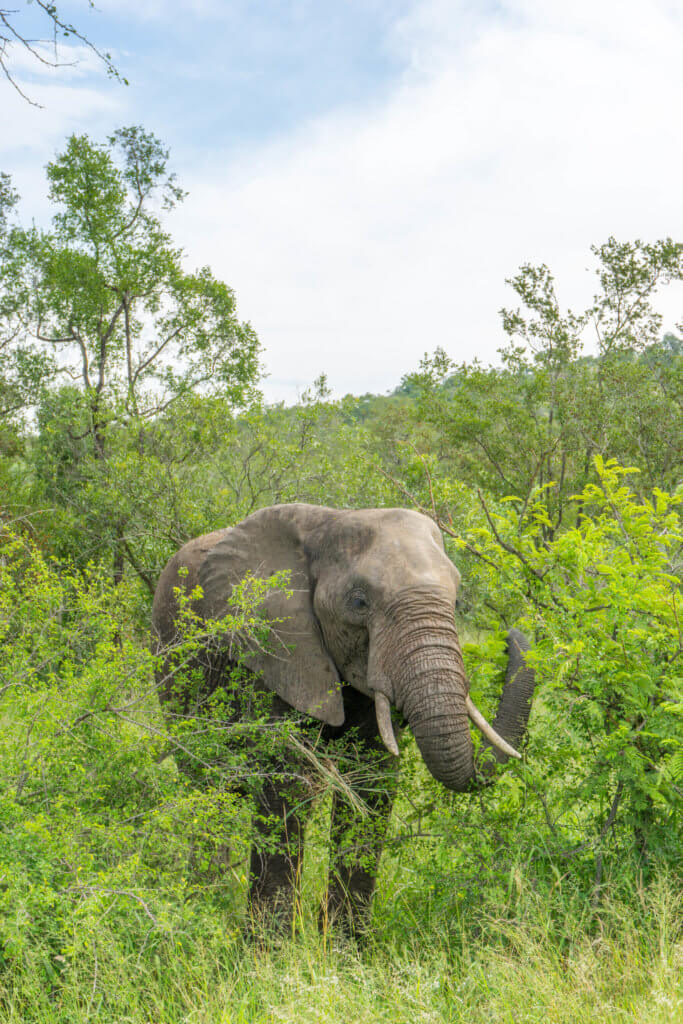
(296, 666)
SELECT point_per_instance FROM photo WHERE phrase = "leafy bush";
(96, 820)
(603, 602)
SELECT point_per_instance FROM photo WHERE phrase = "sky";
(365, 174)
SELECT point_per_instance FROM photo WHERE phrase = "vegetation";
(130, 421)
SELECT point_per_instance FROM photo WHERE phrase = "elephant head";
(372, 608)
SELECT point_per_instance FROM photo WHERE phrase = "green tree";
(203, 468)
(105, 299)
(92, 808)
(542, 416)
(23, 368)
(603, 600)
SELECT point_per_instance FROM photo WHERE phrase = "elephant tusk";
(386, 730)
(488, 731)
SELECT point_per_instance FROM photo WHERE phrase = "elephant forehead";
(386, 547)
(397, 520)
(402, 565)
(393, 525)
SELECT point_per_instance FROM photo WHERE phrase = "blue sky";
(238, 70)
(248, 70)
(367, 174)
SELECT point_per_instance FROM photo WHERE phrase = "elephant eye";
(358, 602)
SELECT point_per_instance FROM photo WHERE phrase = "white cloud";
(73, 60)
(520, 130)
(525, 132)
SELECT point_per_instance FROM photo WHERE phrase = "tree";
(103, 298)
(604, 603)
(17, 32)
(540, 419)
(22, 367)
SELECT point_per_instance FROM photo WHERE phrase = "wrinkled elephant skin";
(370, 627)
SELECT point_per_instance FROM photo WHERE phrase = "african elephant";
(370, 627)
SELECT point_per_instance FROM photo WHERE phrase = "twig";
(94, 890)
(507, 547)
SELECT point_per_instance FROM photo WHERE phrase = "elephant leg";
(276, 855)
(357, 840)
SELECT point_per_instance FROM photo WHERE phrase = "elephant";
(368, 627)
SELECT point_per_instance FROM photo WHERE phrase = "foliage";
(123, 879)
(119, 902)
(427, 968)
(548, 410)
(23, 367)
(603, 601)
(200, 468)
(103, 300)
(105, 290)
(95, 818)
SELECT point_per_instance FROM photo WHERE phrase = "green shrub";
(602, 600)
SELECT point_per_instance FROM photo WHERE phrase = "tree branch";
(507, 547)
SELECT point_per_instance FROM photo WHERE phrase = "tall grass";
(116, 904)
(620, 962)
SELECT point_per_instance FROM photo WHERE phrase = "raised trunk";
(514, 709)
(512, 716)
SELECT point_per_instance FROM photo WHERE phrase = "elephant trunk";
(512, 716)
(439, 723)
(417, 665)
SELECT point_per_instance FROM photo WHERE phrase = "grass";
(623, 964)
(108, 915)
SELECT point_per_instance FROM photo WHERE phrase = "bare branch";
(10, 35)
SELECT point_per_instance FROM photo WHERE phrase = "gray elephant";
(370, 627)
